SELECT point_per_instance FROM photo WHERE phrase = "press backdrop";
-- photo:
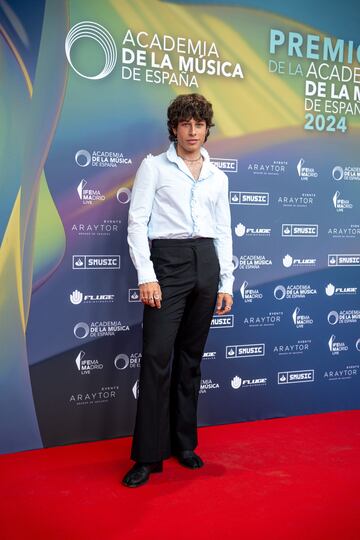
(84, 90)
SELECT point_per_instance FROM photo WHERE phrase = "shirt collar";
(207, 168)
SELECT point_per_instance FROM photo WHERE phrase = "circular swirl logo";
(338, 173)
(280, 292)
(333, 317)
(123, 195)
(81, 330)
(235, 261)
(93, 30)
(83, 158)
(121, 361)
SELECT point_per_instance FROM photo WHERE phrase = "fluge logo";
(93, 30)
(330, 289)
(240, 229)
(236, 382)
(76, 297)
(287, 261)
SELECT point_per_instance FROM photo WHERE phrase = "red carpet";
(285, 479)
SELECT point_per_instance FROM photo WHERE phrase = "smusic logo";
(96, 262)
(249, 198)
(300, 376)
(134, 295)
(222, 321)
(292, 230)
(245, 351)
(344, 259)
(227, 165)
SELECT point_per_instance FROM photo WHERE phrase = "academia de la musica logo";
(98, 33)
(347, 173)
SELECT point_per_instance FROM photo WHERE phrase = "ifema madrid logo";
(93, 30)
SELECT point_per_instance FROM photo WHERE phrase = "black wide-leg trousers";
(166, 418)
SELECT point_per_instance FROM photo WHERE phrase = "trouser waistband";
(179, 242)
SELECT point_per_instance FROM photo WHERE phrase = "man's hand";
(150, 294)
(223, 303)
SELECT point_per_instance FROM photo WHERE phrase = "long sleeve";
(139, 214)
(223, 240)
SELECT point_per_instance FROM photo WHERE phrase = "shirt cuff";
(226, 286)
(149, 277)
(147, 281)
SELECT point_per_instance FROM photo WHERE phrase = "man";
(180, 203)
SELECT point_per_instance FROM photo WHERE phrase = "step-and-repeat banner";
(85, 86)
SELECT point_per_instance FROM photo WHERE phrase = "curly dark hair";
(187, 106)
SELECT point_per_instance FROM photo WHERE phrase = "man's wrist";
(147, 281)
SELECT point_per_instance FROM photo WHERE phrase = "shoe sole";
(159, 469)
(135, 485)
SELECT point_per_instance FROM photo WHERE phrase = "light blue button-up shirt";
(167, 202)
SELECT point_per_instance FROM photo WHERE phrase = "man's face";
(191, 134)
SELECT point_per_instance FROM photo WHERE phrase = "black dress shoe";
(189, 459)
(139, 474)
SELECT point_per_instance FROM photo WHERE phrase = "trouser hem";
(144, 459)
